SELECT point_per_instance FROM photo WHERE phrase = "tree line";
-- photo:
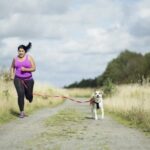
(128, 67)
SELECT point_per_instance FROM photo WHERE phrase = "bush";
(108, 88)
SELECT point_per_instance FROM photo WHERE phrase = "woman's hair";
(26, 48)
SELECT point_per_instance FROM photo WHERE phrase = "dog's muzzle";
(97, 96)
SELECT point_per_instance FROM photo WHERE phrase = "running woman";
(21, 72)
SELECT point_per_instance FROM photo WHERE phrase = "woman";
(21, 72)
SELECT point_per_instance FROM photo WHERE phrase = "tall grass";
(80, 92)
(131, 103)
(8, 99)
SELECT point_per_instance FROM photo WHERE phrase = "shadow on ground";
(14, 113)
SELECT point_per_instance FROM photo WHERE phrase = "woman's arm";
(33, 66)
(12, 69)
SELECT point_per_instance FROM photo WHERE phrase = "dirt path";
(85, 134)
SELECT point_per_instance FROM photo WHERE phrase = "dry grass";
(80, 92)
(132, 103)
(8, 100)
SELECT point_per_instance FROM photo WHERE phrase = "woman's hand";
(12, 77)
(23, 69)
(33, 67)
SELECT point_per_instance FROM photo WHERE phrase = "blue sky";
(73, 39)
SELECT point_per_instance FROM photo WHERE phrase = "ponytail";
(26, 48)
(29, 46)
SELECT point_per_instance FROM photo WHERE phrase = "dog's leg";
(95, 114)
(102, 111)
(92, 111)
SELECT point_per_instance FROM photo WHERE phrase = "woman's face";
(21, 53)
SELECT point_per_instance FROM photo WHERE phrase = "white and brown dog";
(96, 103)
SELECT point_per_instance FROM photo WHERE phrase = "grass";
(8, 100)
(80, 92)
(130, 105)
(59, 127)
(64, 117)
(64, 123)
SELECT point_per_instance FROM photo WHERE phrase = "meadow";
(8, 99)
(129, 104)
(80, 92)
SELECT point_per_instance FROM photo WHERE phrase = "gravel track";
(105, 134)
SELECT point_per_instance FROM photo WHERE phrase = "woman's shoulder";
(15, 57)
(14, 60)
(30, 57)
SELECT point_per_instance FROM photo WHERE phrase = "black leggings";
(24, 88)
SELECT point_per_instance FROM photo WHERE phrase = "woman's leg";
(29, 89)
(20, 91)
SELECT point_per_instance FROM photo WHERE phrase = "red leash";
(65, 97)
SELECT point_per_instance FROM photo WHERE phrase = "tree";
(147, 62)
(128, 67)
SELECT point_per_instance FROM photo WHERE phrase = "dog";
(96, 102)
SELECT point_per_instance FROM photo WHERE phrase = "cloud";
(73, 39)
(139, 27)
(9, 7)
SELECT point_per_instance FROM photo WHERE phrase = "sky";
(72, 39)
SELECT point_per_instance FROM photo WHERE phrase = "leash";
(65, 97)
(55, 96)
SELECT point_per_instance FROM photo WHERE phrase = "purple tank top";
(25, 63)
